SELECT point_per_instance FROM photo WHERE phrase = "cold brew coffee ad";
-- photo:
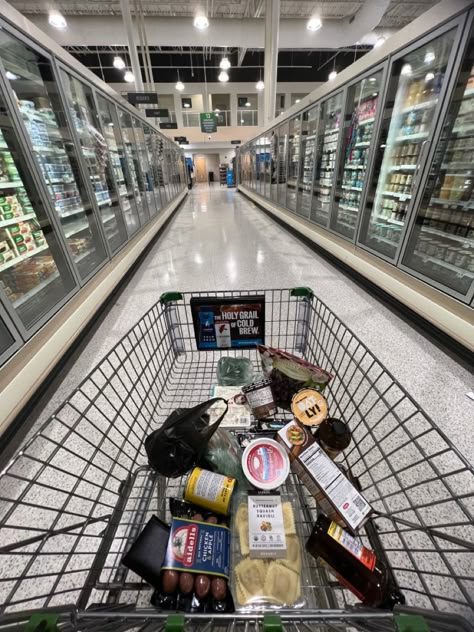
(229, 323)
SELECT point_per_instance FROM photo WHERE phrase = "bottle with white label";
(355, 566)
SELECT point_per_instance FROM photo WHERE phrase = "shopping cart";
(75, 497)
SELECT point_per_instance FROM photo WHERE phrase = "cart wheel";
(410, 623)
(175, 623)
(42, 623)
(272, 623)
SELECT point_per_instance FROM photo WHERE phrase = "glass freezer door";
(155, 170)
(293, 161)
(362, 102)
(414, 88)
(308, 145)
(37, 96)
(132, 161)
(96, 156)
(441, 243)
(121, 170)
(144, 177)
(8, 343)
(329, 126)
(282, 163)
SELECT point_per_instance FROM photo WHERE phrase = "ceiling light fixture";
(248, 104)
(129, 77)
(224, 64)
(217, 110)
(379, 41)
(119, 63)
(11, 75)
(429, 76)
(406, 70)
(429, 57)
(223, 76)
(201, 22)
(260, 85)
(179, 85)
(57, 20)
(297, 100)
(314, 24)
(332, 75)
(372, 79)
(187, 105)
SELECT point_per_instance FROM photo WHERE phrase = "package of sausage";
(196, 565)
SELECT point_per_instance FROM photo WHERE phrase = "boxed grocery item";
(267, 553)
(337, 497)
(238, 415)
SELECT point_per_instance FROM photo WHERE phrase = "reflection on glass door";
(282, 162)
(155, 170)
(132, 161)
(274, 146)
(144, 176)
(293, 161)
(34, 275)
(37, 96)
(7, 341)
(362, 101)
(329, 126)
(97, 159)
(305, 184)
(120, 167)
(441, 244)
(408, 121)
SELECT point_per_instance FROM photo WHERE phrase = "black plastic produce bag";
(181, 442)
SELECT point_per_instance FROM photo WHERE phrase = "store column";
(233, 109)
(272, 26)
(177, 109)
(132, 48)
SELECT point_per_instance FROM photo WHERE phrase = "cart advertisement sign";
(229, 323)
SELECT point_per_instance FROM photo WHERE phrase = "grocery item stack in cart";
(233, 542)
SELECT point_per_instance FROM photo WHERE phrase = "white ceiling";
(399, 13)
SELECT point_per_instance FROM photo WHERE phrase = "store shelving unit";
(391, 166)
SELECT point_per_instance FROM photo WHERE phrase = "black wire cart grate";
(75, 497)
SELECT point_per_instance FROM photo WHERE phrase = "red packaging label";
(362, 553)
(265, 464)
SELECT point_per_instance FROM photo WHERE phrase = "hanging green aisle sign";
(208, 122)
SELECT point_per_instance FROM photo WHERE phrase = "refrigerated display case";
(282, 162)
(96, 156)
(357, 139)
(416, 80)
(120, 167)
(144, 178)
(326, 151)
(131, 153)
(294, 135)
(440, 247)
(156, 175)
(9, 339)
(309, 126)
(39, 103)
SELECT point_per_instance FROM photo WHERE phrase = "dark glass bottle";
(355, 566)
(333, 436)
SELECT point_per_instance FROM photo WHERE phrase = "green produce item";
(234, 371)
(224, 456)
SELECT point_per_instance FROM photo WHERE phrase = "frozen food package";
(268, 572)
(234, 371)
(289, 374)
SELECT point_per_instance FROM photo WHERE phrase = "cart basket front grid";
(77, 494)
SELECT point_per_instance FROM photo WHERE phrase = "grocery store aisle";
(220, 240)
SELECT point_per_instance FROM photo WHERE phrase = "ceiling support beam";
(272, 27)
(132, 47)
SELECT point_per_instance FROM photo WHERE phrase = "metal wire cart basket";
(75, 497)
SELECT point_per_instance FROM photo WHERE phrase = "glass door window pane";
(37, 96)
(326, 150)
(155, 169)
(408, 120)
(96, 156)
(267, 165)
(274, 146)
(6, 339)
(308, 138)
(362, 101)
(441, 244)
(144, 169)
(34, 274)
(133, 165)
(293, 161)
(282, 162)
(119, 164)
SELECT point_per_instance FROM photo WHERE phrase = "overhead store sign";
(168, 125)
(142, 97)
(157, 112)
(235, 142)
(180, 139)
(184, 142)
(208, 122)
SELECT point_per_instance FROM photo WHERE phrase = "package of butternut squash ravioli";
(267, 553)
